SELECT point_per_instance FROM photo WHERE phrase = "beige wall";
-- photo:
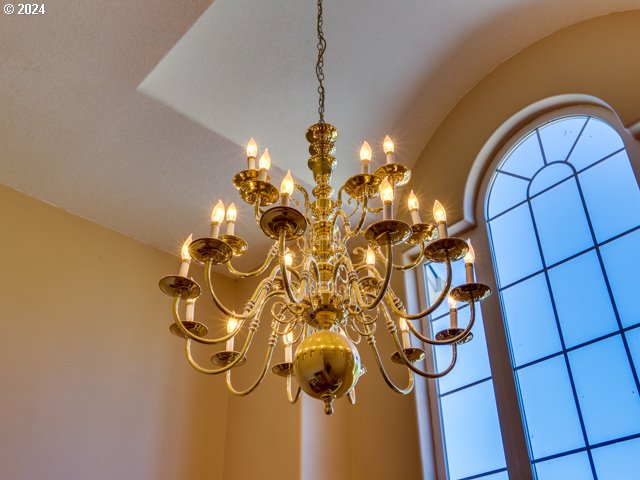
(93, 385)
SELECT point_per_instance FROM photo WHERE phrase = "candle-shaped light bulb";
(404, 330)
(232, 215)
(286, 189)
(264, 163)
(440, 216)
(288, 347)
(232, 323)
(453, 311)
(365, 158)
(413, 205)
(370, 257)
(252, 153)
(186, 258)
(217, 216)
(388, 148)
(386, 194)
(469, 259)
(288, 258)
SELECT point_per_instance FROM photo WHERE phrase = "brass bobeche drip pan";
(244, 176)
(362, 186)
(422, 232)
(277, 219)
(254, 191)
(413, 355)
(470, 291)
(446, 248)
(398, 174)
(387, 231)
(225, 357)
(212, 250)
(177, 286)
(197, 328)
(238, 245)
(283, 369)
(449, 333)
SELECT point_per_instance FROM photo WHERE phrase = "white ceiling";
(82, 128)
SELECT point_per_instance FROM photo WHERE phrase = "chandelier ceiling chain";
(322, 296)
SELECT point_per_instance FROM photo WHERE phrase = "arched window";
(563, 214)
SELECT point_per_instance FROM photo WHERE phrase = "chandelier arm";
(217, 371)
(413, 264)
(456, 339)
(292, 398)
(307, 203)
(267, 361)
(284, 270)
(192, 336)
(252, 311)
(257, 270)
(383, 289)
(363, 217)
(391, 328)
(402, 391)
(396, 305)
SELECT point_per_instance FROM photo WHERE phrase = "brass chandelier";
(323, 299)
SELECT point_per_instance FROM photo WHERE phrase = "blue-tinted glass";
(562, 223)
(533, 332)
(525, 159)
(619, 461)
(436, 276)
(622, 264)
(559, 136)
(582, 300)
(633, 338)
(549, 408)
(612, 196)
(550, 176)
(472, 431)
(596, 142)
(506, 191)
(473, 361)
(514, 245)
(571, 467)
(495, 476)
(606, 390)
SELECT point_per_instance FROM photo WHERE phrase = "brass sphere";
(326, 366)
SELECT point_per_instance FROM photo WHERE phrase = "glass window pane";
(619, 461)
(514, 245)
(582, 300)
(495, 476)
(473, 359)
(606, 390)
(436, 276)
(622, 264)
(633, 338)
(559, 136)
(549, 408)
(596, 142)
(532, 328)
(525, 159)
(574, 467)
(472, 431)
(612, 196)
(506, 191)
(562, 223)
(550, 176)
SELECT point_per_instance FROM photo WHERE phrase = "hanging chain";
(322, 46)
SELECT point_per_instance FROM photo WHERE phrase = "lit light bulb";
(470, 256)
(184, 253)
(413, 202)
(232, 323)
(371, 257)
(232, 213)
(287, 185)
(365, 152)
(265, 160)
(387, 145)
(288, 338)
(288, 258)
(217, 214)
(439, 213)
(386, 191)
(252, 149)
(453, 303)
